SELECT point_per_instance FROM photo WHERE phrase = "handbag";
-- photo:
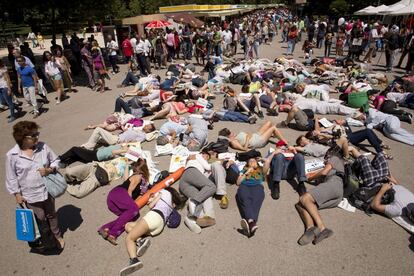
(102, 176)
(55, 184)
(26, 224)
(174, 219)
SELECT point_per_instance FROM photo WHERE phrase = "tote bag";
(26, 225)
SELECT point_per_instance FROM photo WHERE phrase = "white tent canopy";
(408, 9)
(364, 10)
(395, 7)
(376, 10)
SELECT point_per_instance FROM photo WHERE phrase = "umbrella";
(158, 24)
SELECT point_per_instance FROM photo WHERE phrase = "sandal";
(386, 147)
(104, 233)
(61, 243)
(388, 156)
(112, 240)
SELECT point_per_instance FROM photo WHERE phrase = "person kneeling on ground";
(327, 194)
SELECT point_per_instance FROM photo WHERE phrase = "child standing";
(339, 47)
(307, 49)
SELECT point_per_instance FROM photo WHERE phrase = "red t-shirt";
(127, 47)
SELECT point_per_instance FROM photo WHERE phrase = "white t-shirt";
(227, 36)
(321, 107)
(147, 47)
(113, 46)
(200, 164)
(397, 97)
(164, 204)
(140, 47)
(3, 82)
(402, 198)
(318, 92)
(52, 68)
(133, 42)
(374, 33)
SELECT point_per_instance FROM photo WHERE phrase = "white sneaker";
(194, 210)
(191, 207)
(192, 225)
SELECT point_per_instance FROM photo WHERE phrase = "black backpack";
(350, 178)
(221, 146)
(245, 156)
(363, 197)
(230, 103)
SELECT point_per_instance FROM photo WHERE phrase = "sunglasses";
(33, 136)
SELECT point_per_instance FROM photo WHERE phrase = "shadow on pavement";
(411, 246)
(69, 218)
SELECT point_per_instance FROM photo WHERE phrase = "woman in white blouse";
(53, 70)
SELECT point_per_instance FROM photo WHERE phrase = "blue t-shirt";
(105, 153)
(253, 179)
(167, 84)
(26, 74)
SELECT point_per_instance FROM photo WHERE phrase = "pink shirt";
(170, 39)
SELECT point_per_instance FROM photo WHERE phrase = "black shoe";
(134, 265)
(272, 112)
(406, 118)
(252, 120)
(301, 189)
(324, 234)
(253, 227)
(260, 114)
(409, 118)
(275, 190)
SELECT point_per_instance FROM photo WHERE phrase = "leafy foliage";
(339, 7)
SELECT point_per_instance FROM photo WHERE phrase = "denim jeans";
(4, 95)
(142, 62)
(232, 116)
(291, 46)
(121, 104)
(328, 49)
(130, 78)
(217, 50)
(113, 59)
(389, 57)
(365, 134)
(187, 50)
(283, 168)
